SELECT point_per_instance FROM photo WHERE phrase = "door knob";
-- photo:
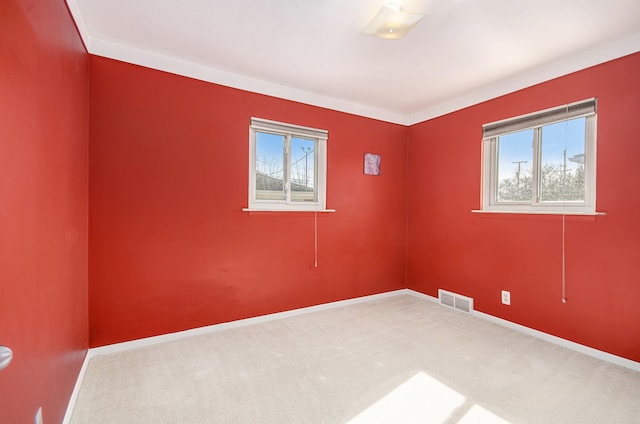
(5, 357)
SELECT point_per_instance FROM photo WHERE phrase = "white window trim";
(491, 132)
(264, 125)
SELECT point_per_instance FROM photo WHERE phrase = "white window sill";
(541, 212)
(287, 210)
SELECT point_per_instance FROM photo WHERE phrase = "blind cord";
(564, 200)
(315, 239)
(564, 274)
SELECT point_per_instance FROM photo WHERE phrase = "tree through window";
(287, 166)
(543, 162)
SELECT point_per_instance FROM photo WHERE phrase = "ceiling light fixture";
(391, 22)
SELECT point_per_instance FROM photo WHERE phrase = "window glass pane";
(269, 166)
(303, 170)
(515, 161)
(562, 161)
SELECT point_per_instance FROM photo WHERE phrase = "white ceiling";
(463, 52)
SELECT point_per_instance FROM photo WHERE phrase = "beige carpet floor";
(396, 360)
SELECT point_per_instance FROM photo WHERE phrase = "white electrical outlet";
(38, 418)
(506, 297)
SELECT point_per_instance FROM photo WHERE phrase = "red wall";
(479, 255)
(170, 247)
(43, 208)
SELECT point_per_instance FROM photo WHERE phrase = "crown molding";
(158, 61)
(549, 71)
(197, 71)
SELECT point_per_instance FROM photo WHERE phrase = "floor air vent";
(455, 301)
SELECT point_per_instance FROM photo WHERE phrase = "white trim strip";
(564, 66)
(81, 25)
(150, 341)
(541, 212)
(561, 67)
(112, 50)
(76, 389)
(286, 210)
(577, 347)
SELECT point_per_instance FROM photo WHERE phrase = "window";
(287, 166)
(543, 162)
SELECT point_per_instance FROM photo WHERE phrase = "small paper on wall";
(371, 164)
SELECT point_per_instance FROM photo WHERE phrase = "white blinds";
(560, 113)
(296, 130)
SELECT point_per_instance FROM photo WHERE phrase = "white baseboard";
(595, 353)
(423, 296)
(149, 341)
(76, 390)
(598, 354)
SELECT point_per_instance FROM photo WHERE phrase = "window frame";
(289, 131)
(492, 132)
